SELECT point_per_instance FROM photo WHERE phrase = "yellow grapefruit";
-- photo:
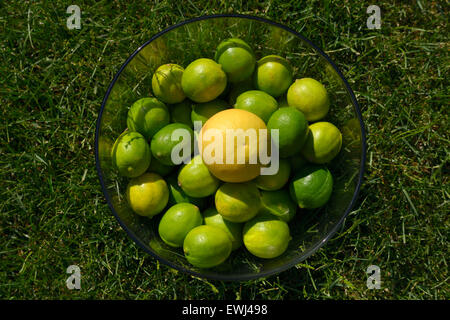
(230, 145)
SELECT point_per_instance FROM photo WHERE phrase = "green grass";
(53, 213)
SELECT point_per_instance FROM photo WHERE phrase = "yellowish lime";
(266, 236)
(147, 194)
(310, 97)
(131, 154)
(207, 246)
(238, 202)
(203, 80)
(176, 223)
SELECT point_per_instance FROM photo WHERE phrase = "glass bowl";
(195, 38)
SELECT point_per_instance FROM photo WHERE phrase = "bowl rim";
(291, 263)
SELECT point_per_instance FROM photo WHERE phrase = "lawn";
(53, 212)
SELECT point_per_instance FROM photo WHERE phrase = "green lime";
(233, 230)
(206, 246)
(323, 143)
(238, 202)
(176, 138)
(159, 168)
(177, 195)
(181, 113)
(147, 194)
(204, 111)
(147, 116)
(266, 236)
(166, 83)
(203, 80)
(276, 181)
(311, 187)
(292, 130)
(236, 58)
(196, 180)
(238, 88)
(176, 223)
(310, 97)
(279, 203)
(257, 102)
(131, 154)
(273, 75)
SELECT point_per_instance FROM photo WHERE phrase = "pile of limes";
(211, 208)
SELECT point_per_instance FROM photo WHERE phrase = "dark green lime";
(292, 130)
(279, 203)
(311, 187)
(147, 116)
(177, 195)
(176, 137)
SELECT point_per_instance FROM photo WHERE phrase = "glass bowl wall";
(187, 41)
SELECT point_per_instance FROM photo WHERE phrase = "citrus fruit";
(176, 137)
(206, 246)
(238, 132)
(273, 75)
(159, 168)
(257, 102)
(266, 236)
(279, 203)
(203, 80)
(236, 58)
(181, 112)
(310, 97)
(292, 130)
(177, 221)
(238, 88)
(233, 230)
(311, 187)
(276, 181)
(204, 111)
(147, 194)
(196, 180)
(147, 116)
(131, 154)
(177, 195)
(238, 202)
(323, 143)
(166, 83)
